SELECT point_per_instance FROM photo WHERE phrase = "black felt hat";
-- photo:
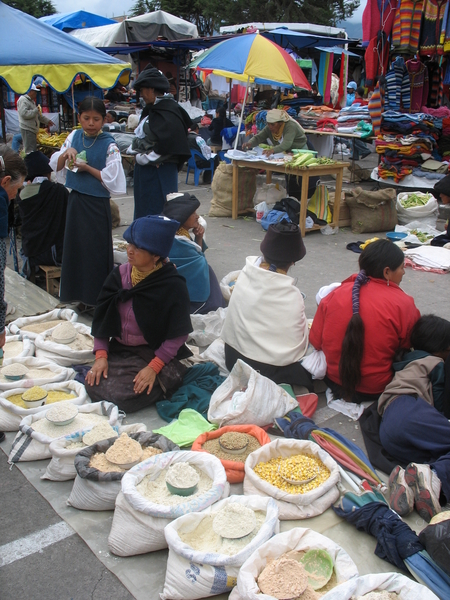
(181, 207)
(442, 187)
(152, 78)
(37, 165)
(283, 243)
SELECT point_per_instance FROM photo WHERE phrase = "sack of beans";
(402, 587)
(286, 546)
(145, 505)
(63, 451)
(13, 409)
(17, 346)
(238, 442)
(60, 350)
(268, 469)
(33, 326)
(206, 549)
(98, 479)
(36, 432)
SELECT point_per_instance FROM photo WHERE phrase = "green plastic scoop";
(319, 566)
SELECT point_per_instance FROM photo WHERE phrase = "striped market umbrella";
(252, 57)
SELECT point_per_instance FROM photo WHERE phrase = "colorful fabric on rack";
(418, 76)
(376, 106)
(406, 27)
(398, 92)
(432, 24)
(376, 58)
(436, 84)
(377, 16)
(324, 78)
(445, 32)
(343, 80)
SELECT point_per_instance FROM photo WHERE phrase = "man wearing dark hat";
(441, 191)
(160, 144)
(42, 208)
(266, 325)
(189, 254)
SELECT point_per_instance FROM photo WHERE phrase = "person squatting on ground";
(415, 431)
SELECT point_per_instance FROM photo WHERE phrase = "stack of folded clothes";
(405, 142)
(320, 118)
(350, 118)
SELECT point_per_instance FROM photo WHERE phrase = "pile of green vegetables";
(308, 160)
(414, 199)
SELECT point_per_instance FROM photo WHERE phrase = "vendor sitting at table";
(266, 325)
(188, 254)
(282, 133)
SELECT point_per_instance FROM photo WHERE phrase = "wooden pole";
(2, 113)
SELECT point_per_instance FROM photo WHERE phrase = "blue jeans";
(16, 142)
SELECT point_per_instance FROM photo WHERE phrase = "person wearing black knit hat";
(160, 143)
(141, 320)
(189, 254)
(265, 294)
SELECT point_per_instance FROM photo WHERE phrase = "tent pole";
(74, 123)
(2, 113)
(229, 99)
(242, 114)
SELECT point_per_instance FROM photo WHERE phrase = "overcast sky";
(119, 7)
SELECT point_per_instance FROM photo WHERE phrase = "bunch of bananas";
(56, 140)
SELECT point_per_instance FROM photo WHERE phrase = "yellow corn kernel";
(299, 467)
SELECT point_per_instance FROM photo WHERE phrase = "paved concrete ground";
(80, 567)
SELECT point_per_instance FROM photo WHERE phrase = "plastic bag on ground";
(296, 539)
(62, 467)
(293, 506)
(138, 524)
(12, 415)
(227, 283)
(246, 396)
(32, 445)
(28, 348)
(193, 574)
(418, 226)
(426, 214)
(261, 211)
(270, 193)
(216, 353)
(233, 469)
(65, 314)
(62, 354)
(207, 328)
(392, 582)
(95, 490)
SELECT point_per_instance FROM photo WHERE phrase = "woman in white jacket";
(266, 325)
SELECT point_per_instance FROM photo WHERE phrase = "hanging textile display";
(377, 58)
(324, 78)
(406, 27)
(432, 24)
(418, 76)
(436, 84)
(398, 91)
(377, 16)
(343, 80)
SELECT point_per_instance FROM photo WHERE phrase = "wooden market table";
(334, 169)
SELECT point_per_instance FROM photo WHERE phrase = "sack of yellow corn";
(267, 469)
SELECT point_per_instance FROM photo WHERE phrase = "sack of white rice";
(17, 346)
(36, 433)
(33, 326)
(13, 409)
(145, 506)
(63, 450)
(98, 481)
(32, 371)
(77, 352)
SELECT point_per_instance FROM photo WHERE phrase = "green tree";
(35, 8)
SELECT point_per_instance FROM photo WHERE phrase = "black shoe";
(2, 436)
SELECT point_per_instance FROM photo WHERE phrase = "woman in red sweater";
(362, 323)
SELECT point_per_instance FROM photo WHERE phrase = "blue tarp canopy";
(285, 38)
(76, 20)
(30, 48)
(336, 50)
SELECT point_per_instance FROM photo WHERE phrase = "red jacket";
(388, 315)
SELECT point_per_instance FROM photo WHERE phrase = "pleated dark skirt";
(88, 253)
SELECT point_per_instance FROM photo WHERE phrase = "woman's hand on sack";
(143, 380)
(198, 232)
(99, 368)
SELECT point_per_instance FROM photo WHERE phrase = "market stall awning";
(336, 50)
(285, 37)
(79, 19)
(29, 48)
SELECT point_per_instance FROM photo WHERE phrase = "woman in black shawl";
(161, 144)
(141, 321)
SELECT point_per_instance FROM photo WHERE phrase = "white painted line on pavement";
(33, 543)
